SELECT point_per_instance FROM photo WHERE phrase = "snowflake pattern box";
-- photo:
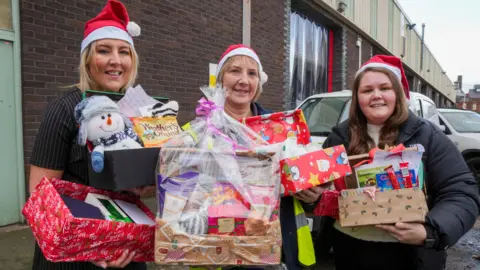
(313, 169)
(277, 127)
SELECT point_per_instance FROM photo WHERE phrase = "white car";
(463, 128)
(324, 111)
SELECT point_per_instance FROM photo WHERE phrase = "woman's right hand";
(121, 262)
(313, 194)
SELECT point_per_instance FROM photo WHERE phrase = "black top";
(55, 144)
(56, 149)
(452, 193)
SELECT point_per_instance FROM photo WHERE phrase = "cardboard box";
(356, 208)
(277, 127)
(313, 169)
(126, 169)
(174, 248)
(65, 238)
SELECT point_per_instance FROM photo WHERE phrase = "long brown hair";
(360, 141)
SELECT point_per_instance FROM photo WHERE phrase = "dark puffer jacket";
(452, 194)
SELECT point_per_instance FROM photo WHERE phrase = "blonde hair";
(86, 82)
(243, 58)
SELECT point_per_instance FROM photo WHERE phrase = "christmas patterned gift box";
(277, 127)
(63, 237)
(357, 207)
(230, 211)
(313, 169)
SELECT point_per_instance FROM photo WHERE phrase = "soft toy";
(102, 124)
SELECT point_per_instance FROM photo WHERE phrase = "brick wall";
(267, 35)
(472, 104)
(179, 39)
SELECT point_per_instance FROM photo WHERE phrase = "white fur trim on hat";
(247, 52)
(393, 69)
(111, 32)
(133, 29)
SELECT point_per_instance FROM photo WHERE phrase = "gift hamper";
(218, 197)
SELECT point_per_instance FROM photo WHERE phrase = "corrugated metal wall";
(382, 20)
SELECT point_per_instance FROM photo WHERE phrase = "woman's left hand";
(121, 262)
(406, 233)
(311, 195)
(146, 191)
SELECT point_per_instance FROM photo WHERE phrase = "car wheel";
(474, 166)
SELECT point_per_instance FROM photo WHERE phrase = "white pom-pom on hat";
(240, 49)
(263, 77)
(133, 29)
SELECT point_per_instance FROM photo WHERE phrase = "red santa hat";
(393, 64)
(240, 49)
(112, 22)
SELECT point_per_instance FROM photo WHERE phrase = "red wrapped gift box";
(313, 169)
(230, 210)
(277, 127)
(64, 238)
(328, 205)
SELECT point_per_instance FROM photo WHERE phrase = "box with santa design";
(313, 169)
(277, 127)
(63, 237)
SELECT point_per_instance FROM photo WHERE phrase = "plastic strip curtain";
(308, 59)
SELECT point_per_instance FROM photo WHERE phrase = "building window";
(474, 106)
(6, 15)
(308, 59)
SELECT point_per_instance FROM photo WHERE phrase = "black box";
(125, 169)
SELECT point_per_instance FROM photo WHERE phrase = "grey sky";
(451, 33)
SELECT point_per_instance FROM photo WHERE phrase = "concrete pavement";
(17, 245)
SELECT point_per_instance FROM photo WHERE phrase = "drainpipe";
(18, 104)
(247, 9)
(359, 45)
(423, 45)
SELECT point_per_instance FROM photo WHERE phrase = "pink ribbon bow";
(205, 108)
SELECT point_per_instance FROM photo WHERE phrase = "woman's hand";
(406, 233)
(121, 262)
(311, 195)
(145, 191)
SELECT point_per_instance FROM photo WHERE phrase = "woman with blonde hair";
(108, 63)
(379, 117)
(241, 74)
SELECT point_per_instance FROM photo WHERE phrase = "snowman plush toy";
(104, 128)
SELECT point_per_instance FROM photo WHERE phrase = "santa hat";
(393, 64)
(112, 22)
(240, 49)
(90, 107)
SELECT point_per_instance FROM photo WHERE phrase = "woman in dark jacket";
(379, 116)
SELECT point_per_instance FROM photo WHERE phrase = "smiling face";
(240, 78)
(104, 125)
(110, 67)
(376, 97)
